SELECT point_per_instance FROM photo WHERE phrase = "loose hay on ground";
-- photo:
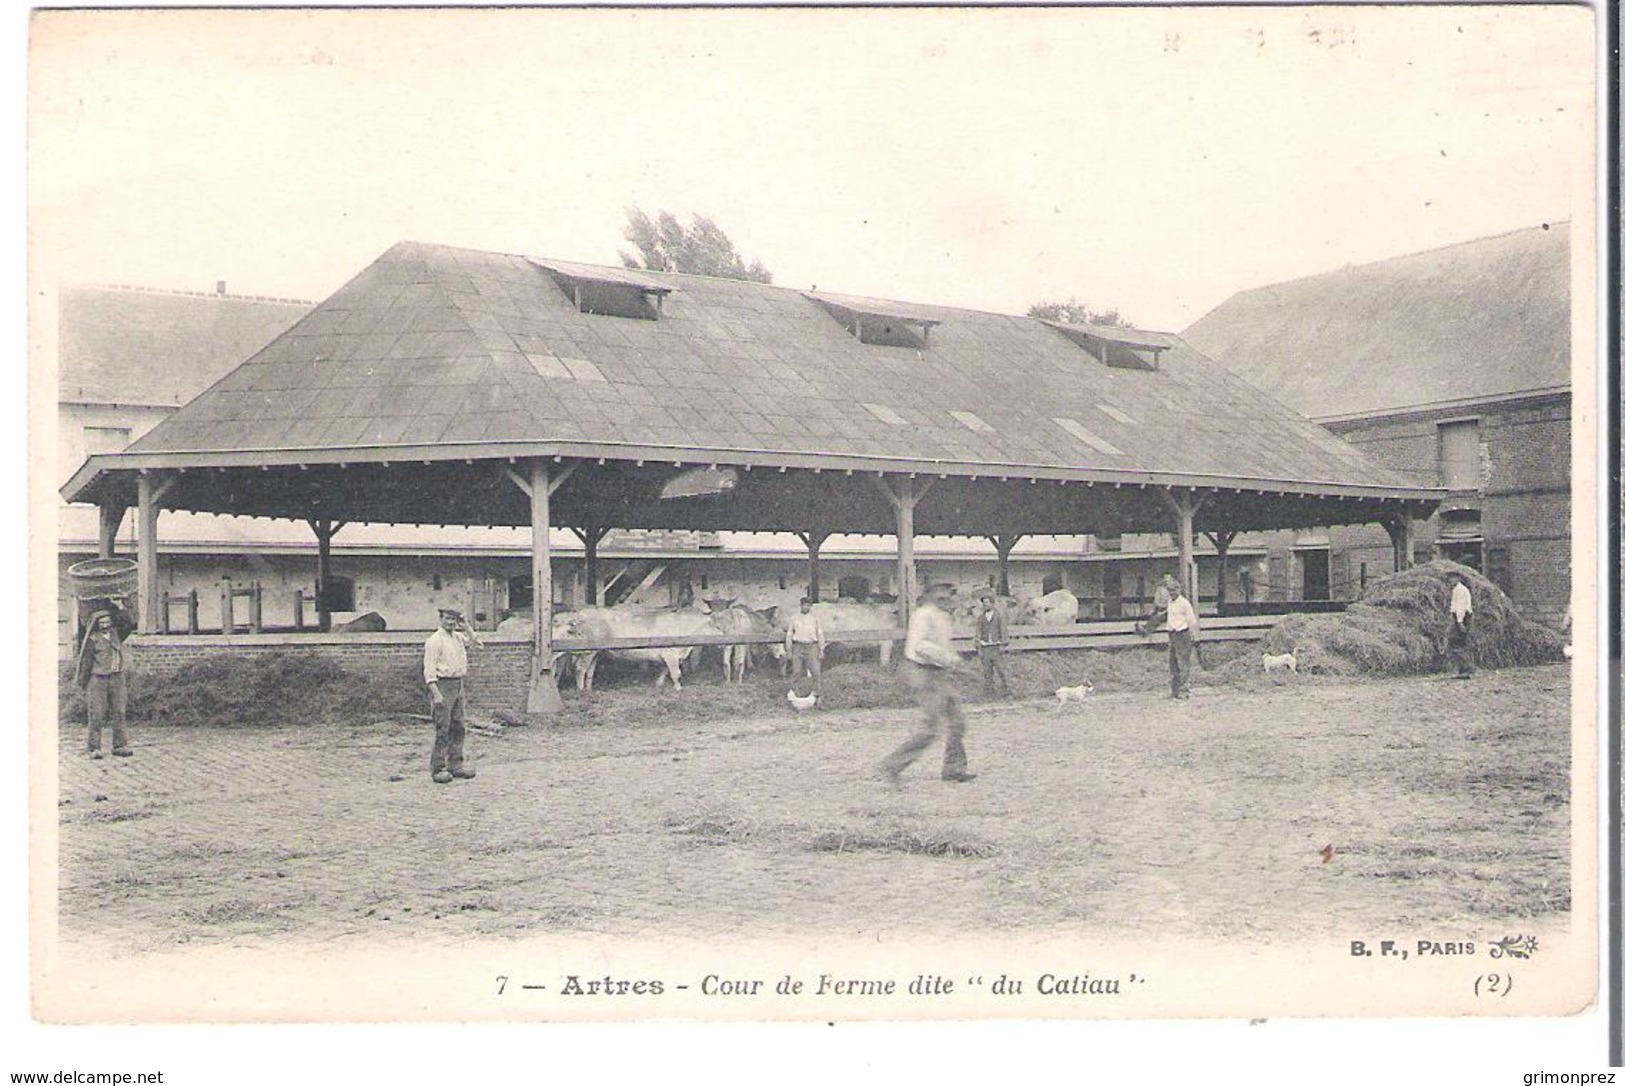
(1402, 624)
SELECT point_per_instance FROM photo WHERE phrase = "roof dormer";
(1120, 348)
(885, 324)
(609, 292)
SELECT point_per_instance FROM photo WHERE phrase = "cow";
(600, 623)
(371, 622)
(848, 616)
(732, 618)
(1058, 608)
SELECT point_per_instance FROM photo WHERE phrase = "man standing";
(990, 642)
(445, 665)
(928, 658)
(100, 670)
(1461, 622)
(804, 642)
(1182, 624)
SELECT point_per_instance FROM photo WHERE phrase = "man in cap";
(1180, 617)
(990, 642)
(804, 644)
(928, 658)
(445, 665)
(100, 670)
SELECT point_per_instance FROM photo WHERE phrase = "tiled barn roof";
(1480, 319)
(444, 347)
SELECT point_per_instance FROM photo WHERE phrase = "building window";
(521, 593)
(106, 439)
(853, 588)
(437, 582)
(339, 593)
(1458, 455)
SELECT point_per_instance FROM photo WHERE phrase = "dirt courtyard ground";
(1444, 803)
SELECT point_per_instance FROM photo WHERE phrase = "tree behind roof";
(1073, 311)
(701, 248)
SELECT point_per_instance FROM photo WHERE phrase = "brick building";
(1451, 366)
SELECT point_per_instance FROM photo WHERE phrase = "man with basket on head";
(100, 669)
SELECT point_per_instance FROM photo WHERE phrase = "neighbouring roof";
(1480, 319)
(138, 346)
(445, 352)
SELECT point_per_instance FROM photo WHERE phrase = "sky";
(1149, 160)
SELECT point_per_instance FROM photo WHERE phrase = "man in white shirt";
(445, 665)
(928, 657)
(1461, 622)
(804, 643)
(1181, 620)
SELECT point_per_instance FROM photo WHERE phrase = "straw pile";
(1402, 626)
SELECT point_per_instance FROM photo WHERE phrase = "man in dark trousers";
(1180, 618)
(928, 658)
(990, 643)
(445, 665)
(101, 670)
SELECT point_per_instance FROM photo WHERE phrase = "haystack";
(1402, 625)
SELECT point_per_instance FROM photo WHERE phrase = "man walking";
(445, 665)
(804, 642)
(100, 670)
(1180, 618)
(928, 659)
(1461, 622)
(990, 642)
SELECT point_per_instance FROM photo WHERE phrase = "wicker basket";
(102, 578)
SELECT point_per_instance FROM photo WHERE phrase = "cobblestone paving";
(1445, 803)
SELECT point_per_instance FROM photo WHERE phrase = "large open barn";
(449, 386)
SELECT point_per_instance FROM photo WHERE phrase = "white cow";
(600, 623)
(1058, 608)
(848, 616)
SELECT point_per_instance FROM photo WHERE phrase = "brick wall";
(498, 676)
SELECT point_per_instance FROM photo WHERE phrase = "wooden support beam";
(591, 535)
(813, 539)
(1004, 544)
(518, 480)
(1221, 541)
(1183, 505)
(559, 479)
(325, 531)
(1403, 540)
(109, 517)
(148, 591)
(543, 697)
(907, 577)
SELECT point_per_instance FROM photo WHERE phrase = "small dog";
(1074, 693)
(1285, 661)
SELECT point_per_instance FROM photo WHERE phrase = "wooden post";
(299, 608)
(907, 576)
(149, 592)
(191, 611)
(1004, 544)
(110, 516)
(544, 691)
(254, 626)
(324, 570)
(590, 537)
(228, 621)
(1221, 543)
(1184, 505)
(813, 539)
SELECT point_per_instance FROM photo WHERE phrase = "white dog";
(1276, 663)
(1074, 693)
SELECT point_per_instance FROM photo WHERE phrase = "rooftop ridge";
(1349, 269)
(134, 288)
